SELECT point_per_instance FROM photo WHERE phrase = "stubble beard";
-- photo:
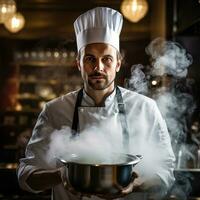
(100, 84)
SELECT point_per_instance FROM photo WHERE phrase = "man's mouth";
(97, 77)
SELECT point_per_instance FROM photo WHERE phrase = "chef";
(97, 35)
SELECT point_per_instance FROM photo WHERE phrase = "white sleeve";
(165, 155)
(153, 142)
(23, 172)
(35, 151)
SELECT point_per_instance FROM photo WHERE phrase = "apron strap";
(75, 123)
(123, 119)
(122, 115)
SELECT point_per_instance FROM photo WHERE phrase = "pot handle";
(64, 172)
(62, 161)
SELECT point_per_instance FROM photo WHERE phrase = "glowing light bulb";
(134, 10)
(134, 6)
(7, 9)
(15, 23)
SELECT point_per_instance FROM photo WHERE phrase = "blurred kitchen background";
(37, 63)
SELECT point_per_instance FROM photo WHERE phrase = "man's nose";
(99, 66)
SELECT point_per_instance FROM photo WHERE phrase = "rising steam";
(92, 146)
(168, 58)
(169, 64)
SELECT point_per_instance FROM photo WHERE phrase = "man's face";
(98, 65)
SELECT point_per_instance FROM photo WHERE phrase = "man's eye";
(107, 60)
(89, 59)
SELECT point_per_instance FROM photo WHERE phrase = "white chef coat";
(143, 119)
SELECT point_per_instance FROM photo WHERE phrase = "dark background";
(49, 25)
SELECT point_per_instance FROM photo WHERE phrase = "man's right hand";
(42, 179)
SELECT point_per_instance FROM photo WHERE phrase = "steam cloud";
(169, 63)
(98, 145)
(92, 146)
(170, 60)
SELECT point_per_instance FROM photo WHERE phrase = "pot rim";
(136, 158)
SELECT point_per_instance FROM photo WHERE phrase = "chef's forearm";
(44, 179)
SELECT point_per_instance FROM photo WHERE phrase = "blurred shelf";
(12, 126)
(49, 82)
(44, 64)
(27, 96)
(23, 111)
(37, 82)
(25, 197)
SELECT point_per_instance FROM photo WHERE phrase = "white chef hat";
(98, 25)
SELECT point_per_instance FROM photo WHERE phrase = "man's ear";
(78, 65)
(118, 65)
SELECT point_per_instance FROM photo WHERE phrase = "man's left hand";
(134, 186)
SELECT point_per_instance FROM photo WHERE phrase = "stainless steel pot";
(101, 178)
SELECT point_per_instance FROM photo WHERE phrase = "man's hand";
(42, 179)
(134, 186)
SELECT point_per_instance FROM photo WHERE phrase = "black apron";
(122, 115)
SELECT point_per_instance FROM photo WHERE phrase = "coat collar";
(88, 101)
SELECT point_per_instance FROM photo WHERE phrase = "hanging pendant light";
(134, 10)
(15, 23)
(7, 9)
